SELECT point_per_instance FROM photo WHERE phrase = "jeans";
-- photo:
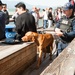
(50, 23)
(45, 24)
(60, 47)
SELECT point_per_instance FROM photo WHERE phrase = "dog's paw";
(51, 59)
(37, 67)
(44, 57)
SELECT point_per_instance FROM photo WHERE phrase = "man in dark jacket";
(25, 21)
(50, 18)
(2, 22)
(73, 3)
(4, 9)
(65, 28)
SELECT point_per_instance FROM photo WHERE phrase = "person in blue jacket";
(65, 28)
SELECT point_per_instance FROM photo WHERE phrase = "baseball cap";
(68, 6)
(1, 2)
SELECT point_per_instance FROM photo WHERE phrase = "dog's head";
(29, 36)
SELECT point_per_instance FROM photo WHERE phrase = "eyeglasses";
(3, 7)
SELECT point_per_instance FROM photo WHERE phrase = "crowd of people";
(26, 20)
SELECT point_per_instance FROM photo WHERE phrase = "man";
(50, 17)
(65, 28)
(73, 3)
(45, 18)
(14, 16)
(33, 12)
(25, 22)
(4, 9)
(2, 22)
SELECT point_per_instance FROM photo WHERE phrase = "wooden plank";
(12, 49)
(4, 46)
(64, 64)
(16, 60)
(14, 68)
(22, 55)
(49, 29)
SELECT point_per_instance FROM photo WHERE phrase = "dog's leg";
(37, 50)
(51, 48)
(45, 53)
(39, 57)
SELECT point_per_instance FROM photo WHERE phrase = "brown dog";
(42, 41)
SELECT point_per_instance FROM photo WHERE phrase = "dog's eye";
(28, 40)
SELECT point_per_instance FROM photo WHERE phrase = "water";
(11, 23)
(11, 12)
(39, 25)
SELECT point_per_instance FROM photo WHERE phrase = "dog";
(42, 41)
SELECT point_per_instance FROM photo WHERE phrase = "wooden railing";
(14, 59)
(64, 64)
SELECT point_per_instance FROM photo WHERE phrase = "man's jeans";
(60, 47)
(45, 24)
(50, 22)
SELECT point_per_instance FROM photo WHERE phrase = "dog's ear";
(33, 39)
(23, 39)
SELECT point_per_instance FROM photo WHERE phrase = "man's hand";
(58, 32)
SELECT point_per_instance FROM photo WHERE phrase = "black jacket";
(50, 17)
(24, 23)
(2, 25)
(6, 17)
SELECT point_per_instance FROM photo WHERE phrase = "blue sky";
(39, 2)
